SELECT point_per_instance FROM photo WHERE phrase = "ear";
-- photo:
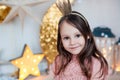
(88, 37)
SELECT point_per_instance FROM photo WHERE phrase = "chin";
(74, 53)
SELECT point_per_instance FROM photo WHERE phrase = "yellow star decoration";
(28, 63)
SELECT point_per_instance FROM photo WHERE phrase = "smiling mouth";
(73, 47)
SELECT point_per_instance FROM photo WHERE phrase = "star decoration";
(28, 63)
(26, 7)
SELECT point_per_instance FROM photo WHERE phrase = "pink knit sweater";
(73, 71)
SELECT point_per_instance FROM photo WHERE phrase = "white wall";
(101, 12)
(13, 38)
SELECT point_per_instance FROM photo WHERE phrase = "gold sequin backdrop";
(48, 33)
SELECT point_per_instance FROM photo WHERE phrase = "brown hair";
(85, 56)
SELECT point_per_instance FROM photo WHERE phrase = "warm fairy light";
(110, 48)
(3, 7)
(28, 63)
(21, 62)
(34, 60)
(24, 70)
(36, 72)
(16, 62)
(104, 52)
(118, 68)
(28, 56)
(33, 69)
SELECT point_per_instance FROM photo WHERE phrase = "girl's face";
(72, 39)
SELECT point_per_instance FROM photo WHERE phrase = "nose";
(72, 41)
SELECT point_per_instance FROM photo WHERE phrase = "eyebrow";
(64, 35)
(74, 34)
(77, 33)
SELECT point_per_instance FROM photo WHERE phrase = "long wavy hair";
(85, 56)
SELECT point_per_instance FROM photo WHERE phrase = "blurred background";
(35, 23)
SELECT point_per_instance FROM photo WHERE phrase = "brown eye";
(66, 38)
(77, 35)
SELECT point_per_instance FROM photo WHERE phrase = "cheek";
(82, 41)
(65, 44)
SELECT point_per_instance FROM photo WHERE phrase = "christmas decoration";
(105, 41)
(26, 7)
(28, 63)
(117, 55)
(4, 10)
(103, 31)
(48, 33)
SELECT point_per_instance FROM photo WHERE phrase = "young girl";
(78, 58)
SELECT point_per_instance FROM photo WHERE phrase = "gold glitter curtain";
(4, 10)
(48, 33)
